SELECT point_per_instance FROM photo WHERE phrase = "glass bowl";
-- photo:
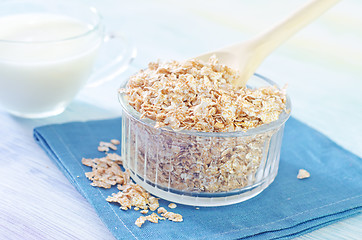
(202, 168)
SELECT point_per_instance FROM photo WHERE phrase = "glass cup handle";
(123, 54)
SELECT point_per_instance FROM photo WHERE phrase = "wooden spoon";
(247, 56)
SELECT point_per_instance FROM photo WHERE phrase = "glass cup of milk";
(47, 53)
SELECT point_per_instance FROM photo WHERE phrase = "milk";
(44, 61)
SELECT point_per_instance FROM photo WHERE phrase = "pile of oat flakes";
(193, 95)
(106, 172)
(198, 96)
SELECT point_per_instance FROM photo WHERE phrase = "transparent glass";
(202, 168)
(47, 53)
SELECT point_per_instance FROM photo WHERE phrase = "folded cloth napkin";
(287, 208)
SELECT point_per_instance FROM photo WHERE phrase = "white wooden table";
(322, 65)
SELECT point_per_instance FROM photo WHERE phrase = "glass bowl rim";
(283, 117)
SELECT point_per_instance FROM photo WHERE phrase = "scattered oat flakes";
(140, 221)
(172, 205)
(103, 149)
(303, 174)
(151, 218)
(175, 217)
(105, 173)
(161, 210)
(144, 211)
(133, 195)
(108, 145)
(153, 203)
(114, 157)
(115, 142)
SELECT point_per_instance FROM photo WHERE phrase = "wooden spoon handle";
(259, 47)
(269, 40)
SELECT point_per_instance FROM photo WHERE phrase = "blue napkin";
(287, 208)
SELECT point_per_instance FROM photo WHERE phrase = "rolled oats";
(175, 217)
(303, 174)
(193, 163)
(114, 157)
(198, 97)
(144, 211)
(107, 145)
(140, 221)
(153, 203)
(193, 95)
(115, 141)
(172, 205)
(151, 218)
(106, 172)
(103, 149)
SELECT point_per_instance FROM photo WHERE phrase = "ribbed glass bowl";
(202, 168)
